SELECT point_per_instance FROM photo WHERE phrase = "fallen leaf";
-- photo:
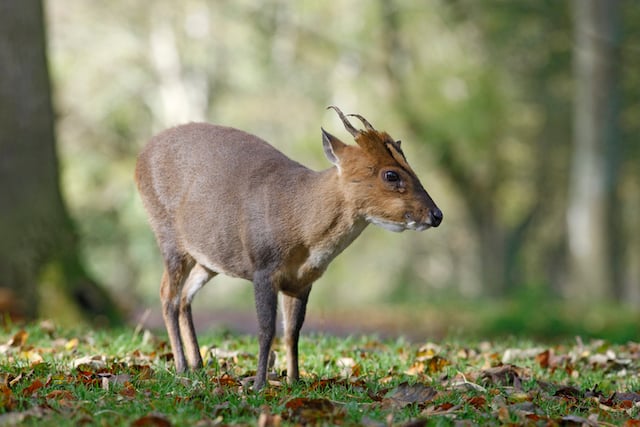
(348, 367)
(525, 408)
(59, 394)
(478, 402)
(128, 390)
(226, 380)
(538, 419)
(219, 353)
(32, 388)
(63, 398)
(543, 359)
(19, 339)
(517, 396)
(461, 382)
(503, 415)
(414, 423)
(441, 409)
(309, 411)
(466, 353)
(580, 420)
(304, 402)
(504, 375)
(72, 344)
(634, 397)
(108, 379)
(33, 356)
(427, 351)
(437, 364)
(142, 372)
(386, 379)
(511, 355)
(417, 368)
(568, 392)
(491, 360)
(268, 420)
(408, 394)
(88, 378)
(151, 420)
(7, 400)
(18, 418)
(90, 362)
(626, 404)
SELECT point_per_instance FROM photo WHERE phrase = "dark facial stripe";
(393, 146)
(398, 156)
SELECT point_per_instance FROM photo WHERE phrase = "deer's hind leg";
(198, 277)
(173, 279)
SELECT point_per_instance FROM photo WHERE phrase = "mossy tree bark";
(36, 233)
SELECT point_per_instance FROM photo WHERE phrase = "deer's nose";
(435, 216)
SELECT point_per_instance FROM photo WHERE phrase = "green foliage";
(480, 93)
(70, 377)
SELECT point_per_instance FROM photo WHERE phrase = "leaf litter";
(48, 376)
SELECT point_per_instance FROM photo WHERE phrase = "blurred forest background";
(522, 119)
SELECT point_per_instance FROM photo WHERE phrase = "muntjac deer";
(222, 201)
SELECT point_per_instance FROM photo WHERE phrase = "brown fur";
(223, 201)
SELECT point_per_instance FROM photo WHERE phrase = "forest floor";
(58, 376)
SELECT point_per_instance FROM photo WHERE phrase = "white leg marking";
(198, 277)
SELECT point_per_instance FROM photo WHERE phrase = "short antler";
(364, 121)
(348, 126)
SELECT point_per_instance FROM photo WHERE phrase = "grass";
(64, 377)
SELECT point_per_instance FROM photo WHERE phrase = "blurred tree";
(39, 244)
(494, 135)
(593, 210)
(488, 87)
(629, 153)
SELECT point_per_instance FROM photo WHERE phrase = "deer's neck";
(329, 221)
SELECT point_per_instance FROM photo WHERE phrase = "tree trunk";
(592, 192)
(37, 234)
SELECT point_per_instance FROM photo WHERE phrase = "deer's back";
(214, 192)
(211, 158)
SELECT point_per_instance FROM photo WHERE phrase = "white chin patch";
(388, 225)
(417, 227)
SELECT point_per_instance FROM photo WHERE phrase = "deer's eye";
(391, 176)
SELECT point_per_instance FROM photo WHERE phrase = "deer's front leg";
(266, 308)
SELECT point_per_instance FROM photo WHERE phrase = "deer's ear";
(332, 147)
